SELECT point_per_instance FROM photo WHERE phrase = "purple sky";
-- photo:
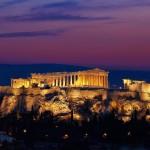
(113, 33)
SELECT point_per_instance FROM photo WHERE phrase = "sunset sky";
(111, 33)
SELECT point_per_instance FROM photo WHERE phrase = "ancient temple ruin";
(96, 78)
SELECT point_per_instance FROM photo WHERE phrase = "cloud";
(92, 5)
(32, 33)
(10, 3)
(65, 4)
(54, 17)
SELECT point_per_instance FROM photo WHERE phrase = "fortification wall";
(145, 96)
(73, 93)
(145, 88)
(114, 95)
(135, 87)
(87, 94)
(5, 89)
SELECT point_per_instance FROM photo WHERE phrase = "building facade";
(88, 78)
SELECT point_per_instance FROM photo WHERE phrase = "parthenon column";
(52, 81)
(63, 78)
(104, 81)
(82, 82)
(75, 80)
(107, 82)
(58, 84)
(57, 81)
(99, 81)
(61, 81)
(67, 81)
(71, 80)
(86, 82)
(89, 80)
(94, 80)
(83, 79)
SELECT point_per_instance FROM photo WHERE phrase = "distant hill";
(23, 71)
(116, 76)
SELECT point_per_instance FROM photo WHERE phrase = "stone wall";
(141, 87)
(115, 94)
(87, 93)
(73, 93)
(19, 83)
(5, 89)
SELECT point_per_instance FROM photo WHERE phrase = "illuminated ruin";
(141, 87)
(88, 78)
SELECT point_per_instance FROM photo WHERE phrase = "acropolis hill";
(59, 92)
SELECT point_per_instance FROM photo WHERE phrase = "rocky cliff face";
(58, 102)
(83, 103)
(41, 100)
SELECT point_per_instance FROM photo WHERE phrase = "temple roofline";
(95, 70)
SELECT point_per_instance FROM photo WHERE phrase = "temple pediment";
(95, 70)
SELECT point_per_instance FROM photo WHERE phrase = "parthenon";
(88, 78)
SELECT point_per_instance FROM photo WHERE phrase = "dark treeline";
(30, 128)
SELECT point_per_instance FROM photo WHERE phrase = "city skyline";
(79, 32)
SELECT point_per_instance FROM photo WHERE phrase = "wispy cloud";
(65, 4)
(7, 3)
(54, 17)
(92, 5)
(32, 33)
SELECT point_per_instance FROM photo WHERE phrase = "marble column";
(67, 80)
(53, 81)
(107, 82)
(57, 81)
(89, 80)
(75, 80)
(63, 80)
(53, 84)
(82, 79)
(104, 82)
(71, 80)
(95, 80)
(99, 81)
